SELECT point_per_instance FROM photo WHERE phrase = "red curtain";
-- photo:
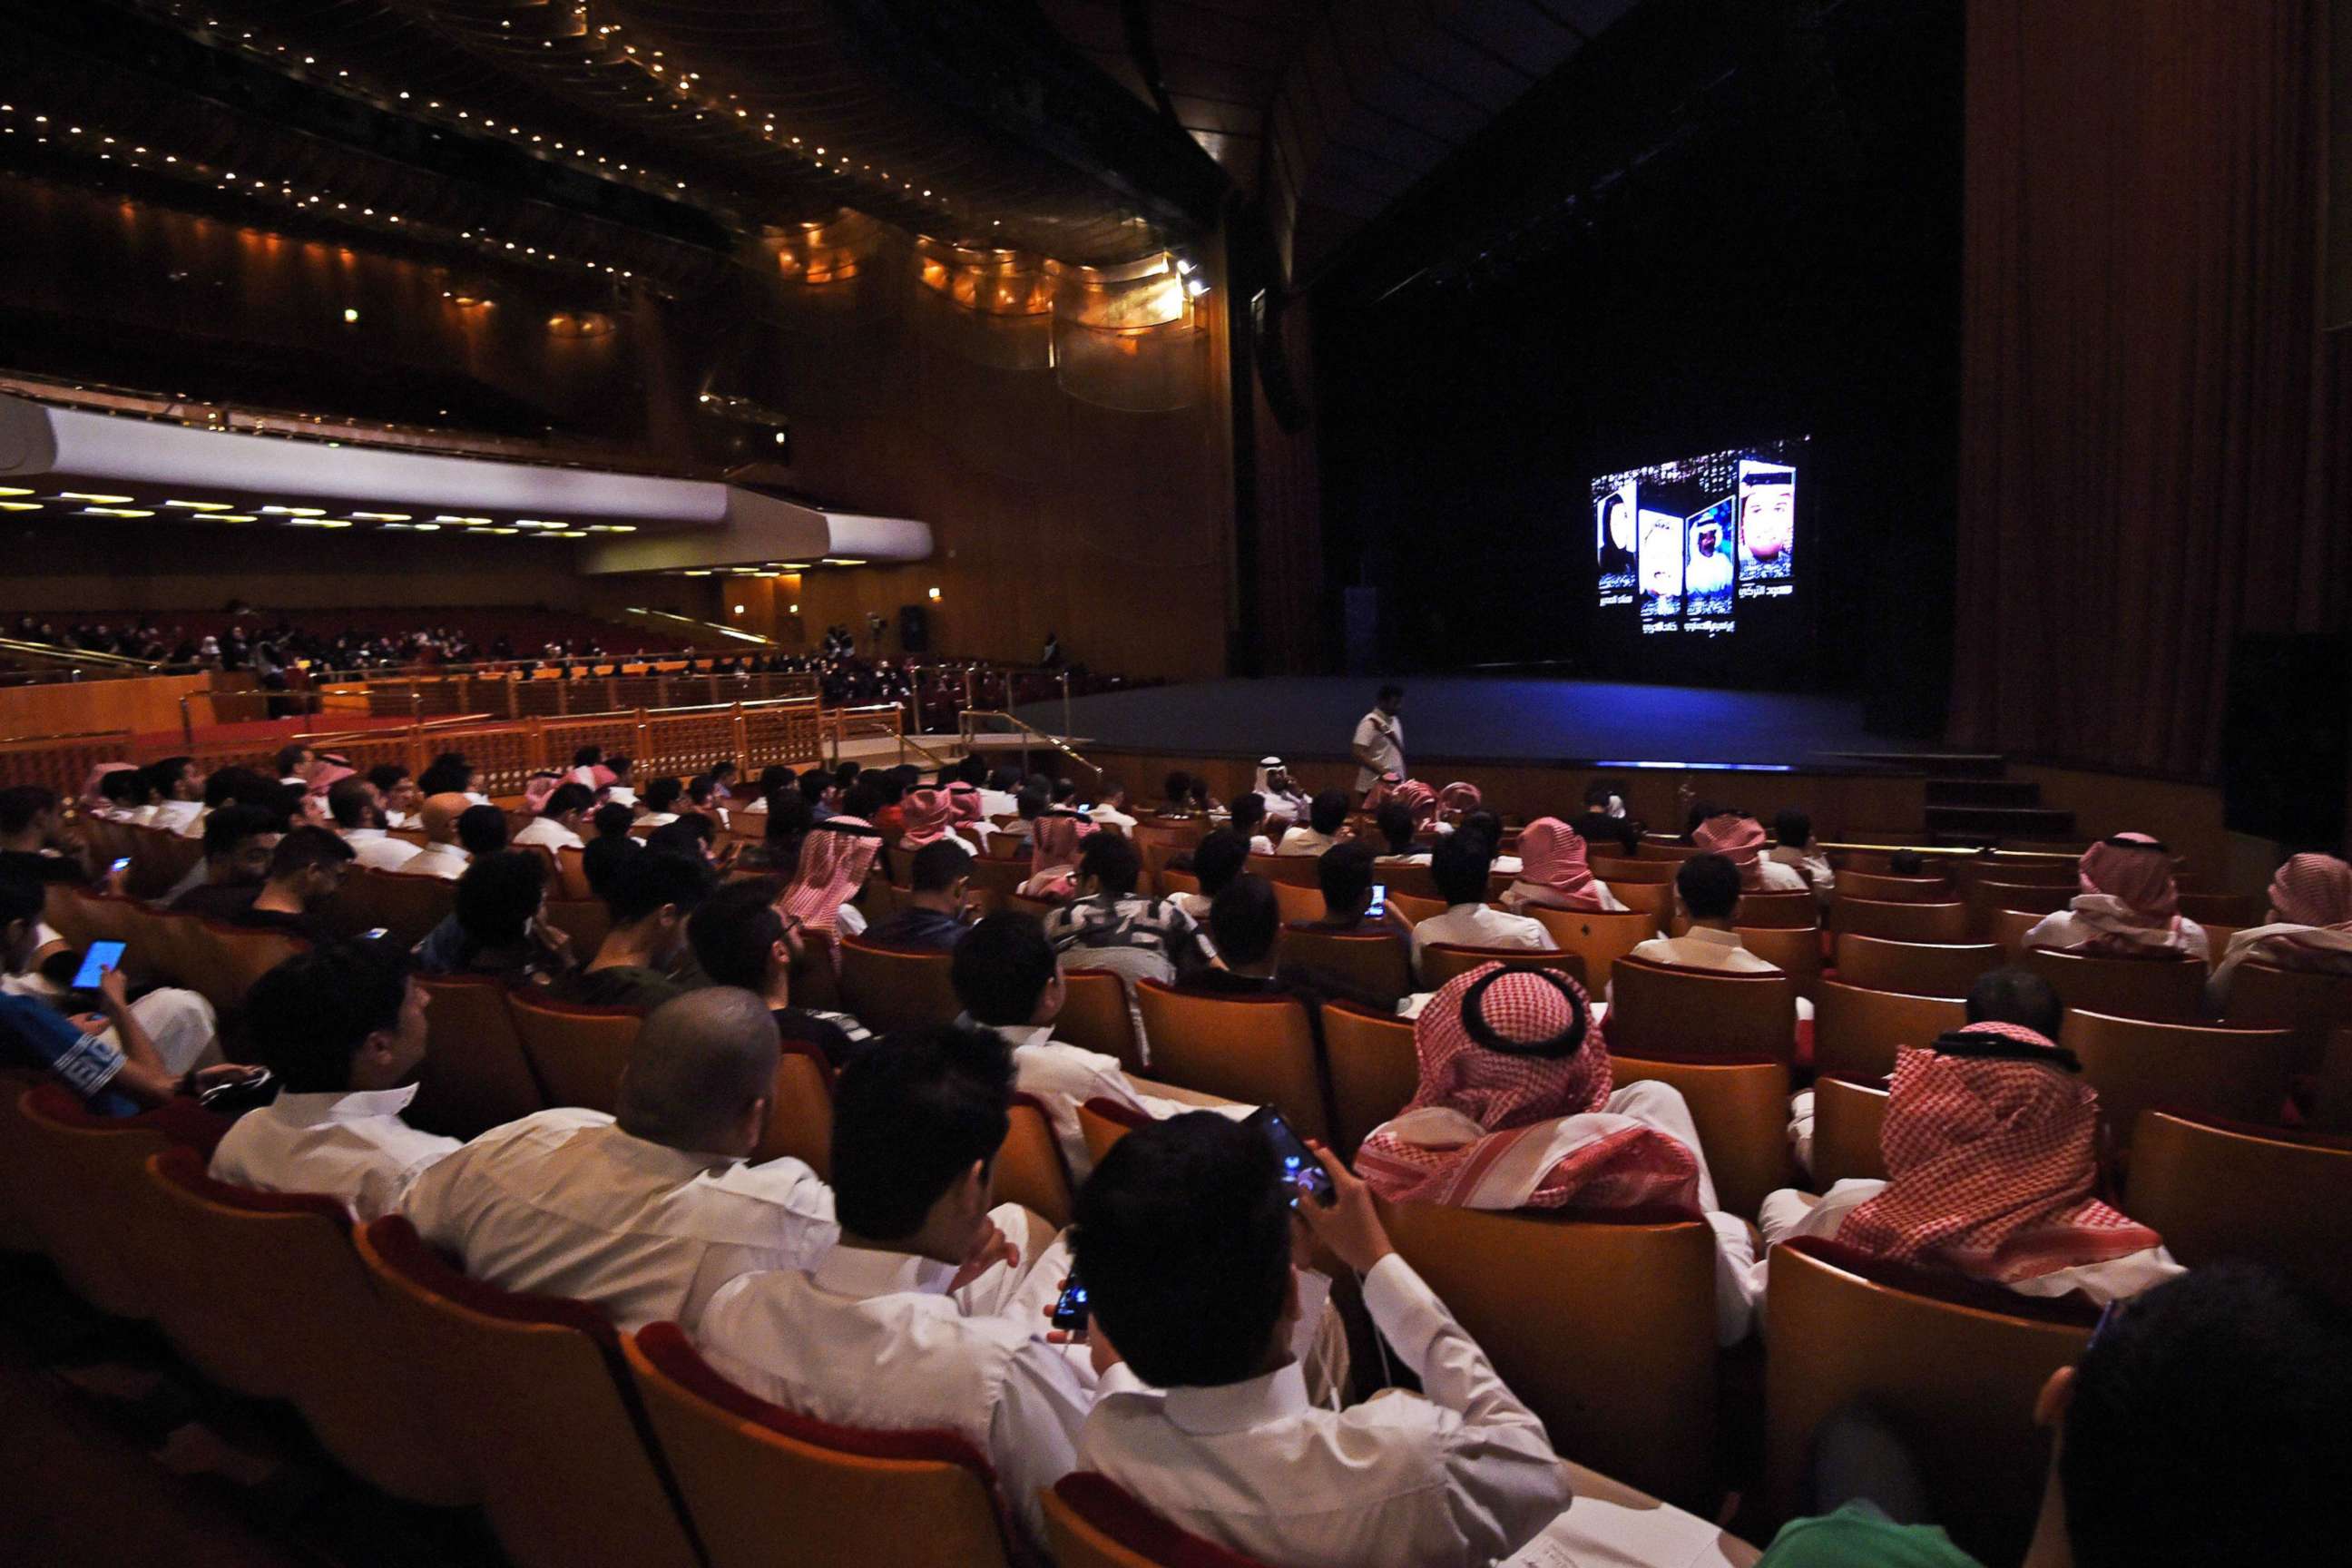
(2154, 428)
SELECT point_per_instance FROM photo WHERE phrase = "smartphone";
(102, 957)
(378, 934)
(1070, 1311)
(122, 865)
(1379, 902)
(1301, 1170)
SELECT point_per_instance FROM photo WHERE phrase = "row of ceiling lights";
(99, 504)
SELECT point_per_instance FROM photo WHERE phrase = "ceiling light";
(567, 533)
(703, 574)
(934, 594)
(14, 490)
(424, 528)
(845, 560)
(229, 517)
(793, 611)
(93, 498)
(293, 512)
(20, 506)
(199, 505)
(738, 609)
(612, 528)
(116, 511)
(350, 315)
(382, 516)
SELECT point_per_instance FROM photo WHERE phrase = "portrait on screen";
(1615, 529)
(1662, 563)
(1767, 521)
(1707, 572)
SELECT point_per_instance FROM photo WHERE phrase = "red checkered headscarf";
(2137, 872)
(1382, 788)
(1514, 1049)
(834, 858)
(1553, 856)
(1460, 797)
(1418, 798)
(1739, 840)
(1991, 1149)
(1054, 856)
(964, 801)
(2314, 891)
(928, 814)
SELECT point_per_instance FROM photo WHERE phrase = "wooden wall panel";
(143, 705)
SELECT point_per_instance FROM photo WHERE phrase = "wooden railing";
(60, 762)
(547, 694)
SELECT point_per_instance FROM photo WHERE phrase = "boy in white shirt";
(1459, 866)
(557, 826)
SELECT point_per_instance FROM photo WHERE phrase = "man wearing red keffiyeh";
(2310, 926)
(1990, 1142)
(1517, 1109)
(2128, 908)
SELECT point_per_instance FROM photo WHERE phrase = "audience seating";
(587, 922)
(1847, 1117)
(1796, 950)
(572, 874)
(1912, 920)
(1779, 911)
(891, 988)
(2331, 1088)
(1663, 1011)
(1374, 1071)
(1613, 871)
(1661, 847)
(408, 905)
(1299, 870)
(2200, 1071)
(1414, 881)
(230, 959)
(527, 1394)
(1103, 1122)
(1856, 1031)
(800, 1109)
(1298, 901)
(81, 1173)
(2009, 930)
(1258, 1049)
(1441, 961)
(1603, 1326)
(2214, 1190)
(2235, 909)
(475, 1076)
(2166, 989)
(1097, 1015)
(993, 880)
(277, 1271)
(1653, 900)
(1091, 1522)
(1378, 963)
(1913, 968)
(18, 1220)
(1984, 897)
(2310, 1004)
(1598, 939)
(1881, 887)
(1741, 1110)
(1956, 1372)
(1173, 881)
(576, 1053)
(764, 1485)
(1039, 910)
(817, 974)
(1029, 1168)
(1415, 910)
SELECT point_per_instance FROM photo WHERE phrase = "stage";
(1530, 744)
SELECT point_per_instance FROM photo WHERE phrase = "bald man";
(442, 856)
(647, 1213)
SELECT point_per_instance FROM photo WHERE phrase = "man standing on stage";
(1379, 740)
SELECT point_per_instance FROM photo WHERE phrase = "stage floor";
(1471, 717)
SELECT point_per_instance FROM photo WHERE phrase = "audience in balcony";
(341, 1028)
(2128, 907)
(648, 1212)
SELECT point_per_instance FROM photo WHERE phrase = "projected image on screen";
(1700, 546)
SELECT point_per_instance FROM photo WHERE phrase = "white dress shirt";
(1459, 1475)
(184, 817)
(449, 861)
(1704, 947)
(1304, 841)
(1382, 735)
(998, 803)
(563, 1203)
(1066, 1077)
(1813, 867)
(1109, 817)
(1778, 878)
(351, 1146)
(549, 834)
(872, 1339)
(374, 847)
(1480, 925)
(2065, 930)
(1786, 1215)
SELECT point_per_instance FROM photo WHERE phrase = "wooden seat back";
(1260, 1050)
(1374, 1071)
(1444, 961)
(1847, 1118)
(2239, 1075)
(1097, 1015)
(1905, 920)
(1665, 1010)
(1913, 968)
(1375, 962)
(475, 1076)
(2166, 989)
(1857, 1031)
(2215, 1192)
(1741, 1112)
(893, 988)
(576, 1053)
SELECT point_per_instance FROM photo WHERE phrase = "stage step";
(2001, 821)
(1939, 765)
(1983, 792)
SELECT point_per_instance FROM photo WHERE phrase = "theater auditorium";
(1175, 784)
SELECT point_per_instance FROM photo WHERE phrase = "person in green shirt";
(651, 895)
(2207, 1425)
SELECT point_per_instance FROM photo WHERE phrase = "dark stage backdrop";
(1721, 224)
(2156, 430)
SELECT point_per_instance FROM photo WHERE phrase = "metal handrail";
(965, 728)
(67, 735)
(1949, 851)
(76, 655)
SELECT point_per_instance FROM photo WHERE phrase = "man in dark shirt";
(30, 846)
(1245, 922)
(653, 894)
(306, 871)
(739, 940)
(239, 842)
(1348, 873)
(1603, 821)
(932, 919)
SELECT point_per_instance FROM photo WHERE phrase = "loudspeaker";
(2286, 739)
(914, 628)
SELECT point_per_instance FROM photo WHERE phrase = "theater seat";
(475, 1076)
(2238, 1075)
(2164, 989)
(2263, 995)
(1913, 968)
(1856, 1031)
(800, 1109)
(82, 1173)
(1103, 1122)
(1299, 870)
(529, 1395)
(1661, 1010)
(1030, 1169)
(1905, 921)
(587, 922)
(1598, 937)
(1884, 887)
(1373, 1068)
(277, 1272)
(407, 905)
(1605, 1327)
(2216, 1190)
(890, 989)
(1847, 1118)
(1741, 1110)
(1260, 1050)
(576, 1053)
(1442, 961)
(1413, 909)
(1780, 912)
(765, 1485)
(1795, 951)
(1092, 1521)
(234, 958)
(1374, 962)
(1097, 1016)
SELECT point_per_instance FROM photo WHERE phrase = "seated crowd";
(2205, 1424)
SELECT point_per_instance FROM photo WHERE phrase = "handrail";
(67, 735)
(1950, 852)
(965, 728)
(75, 654)
(752, 637)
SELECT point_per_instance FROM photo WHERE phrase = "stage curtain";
(2154, 425)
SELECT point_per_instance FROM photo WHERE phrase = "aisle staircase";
(1972, 801)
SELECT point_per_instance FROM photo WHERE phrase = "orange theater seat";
(892, 988)
(1104, 1122)
(1913, 968)
(475, 1076)
(1795, 951)
(1882, 888)
(1374, 1071)
(1091, 1522)
(1260, 1050)
(2214, 1190)
(800, 1109)
(2167, 989)
(514, 1379)
(765, 1485)
(576, 1053)
(1441, 961)
(1780, 912)
(1377, 963)
(407, 905)
(1097, 1016)
(1415, 908)
(1858, 1031)
(1903, 922)
(587, 922)
(82, 1175)
(2263, 995)
(2238, 1075)
(238, 958)
(1664, 1011)
(1847, 1118)
(1599, 939)
(1955, 1365)
(1299, 870)
(1612, 871)
(1654, 900)
(1030, 1169)
(1741, 1112)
